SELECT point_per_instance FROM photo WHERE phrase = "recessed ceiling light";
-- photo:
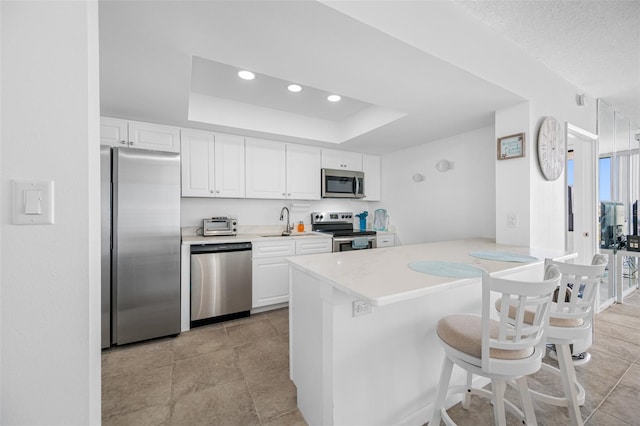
(246, 75)
(295, 88)
(333, 98)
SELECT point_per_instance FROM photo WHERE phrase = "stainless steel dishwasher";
(220, 282)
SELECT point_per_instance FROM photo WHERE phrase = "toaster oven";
(219, 226)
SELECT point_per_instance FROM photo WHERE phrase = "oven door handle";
(342, 239)
(349, 239)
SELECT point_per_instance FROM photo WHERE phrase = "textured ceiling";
(593, 44)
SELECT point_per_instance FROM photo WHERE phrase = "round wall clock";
(551, 148)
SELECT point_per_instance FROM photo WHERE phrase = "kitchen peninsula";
(363, 345)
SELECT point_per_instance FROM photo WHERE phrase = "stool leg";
(445, 377)
(466, 399)
(568, 374)
(525, 399)
(498, 388)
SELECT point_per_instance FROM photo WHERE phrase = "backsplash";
(264, 212)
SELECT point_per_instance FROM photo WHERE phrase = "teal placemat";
(446, 269)
(503, 256)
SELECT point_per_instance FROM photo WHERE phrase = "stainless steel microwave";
(219, 226)
(342, 184)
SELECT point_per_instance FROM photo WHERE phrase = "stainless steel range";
(340, 225)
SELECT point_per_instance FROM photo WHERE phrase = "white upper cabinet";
(212, 164)
(113, 132)
(372, 177)
(197, 152)
(154, 136)
(229, 166)
(303, 172)
(134, 134)
(282, 171)
(341, 160)
(265, 169)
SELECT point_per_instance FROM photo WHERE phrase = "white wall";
(50, 303)
(455, 204)
(434, 27)
(513, 178)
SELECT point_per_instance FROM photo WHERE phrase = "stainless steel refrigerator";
(144, 260)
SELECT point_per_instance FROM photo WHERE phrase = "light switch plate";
(32, 202)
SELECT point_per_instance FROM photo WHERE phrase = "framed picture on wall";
(512, 146)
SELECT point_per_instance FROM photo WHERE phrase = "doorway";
(582, 189)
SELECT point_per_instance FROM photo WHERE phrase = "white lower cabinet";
(385, 240)
(270, 282)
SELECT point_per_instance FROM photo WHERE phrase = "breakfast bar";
(363, 346)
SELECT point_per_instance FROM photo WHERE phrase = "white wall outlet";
(361, 308)
(512, 220)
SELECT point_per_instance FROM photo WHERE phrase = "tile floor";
(236, 373)
(233, 373)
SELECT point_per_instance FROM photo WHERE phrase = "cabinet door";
(341, 160)
(371, 169)
(352, 161)
(196, 161)
(270, 281)
(303, 172)
(331, 159)
(113, 132)
(229, 166)
(265, 169)
(154, 136)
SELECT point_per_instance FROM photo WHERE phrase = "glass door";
(608, 207)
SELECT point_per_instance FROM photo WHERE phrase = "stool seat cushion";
(529, 315)
(464, 333)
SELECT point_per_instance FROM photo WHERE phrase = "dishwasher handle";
(219, 248)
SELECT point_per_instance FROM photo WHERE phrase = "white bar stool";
(571, 321)
(496, 349)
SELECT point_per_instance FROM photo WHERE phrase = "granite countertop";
(382, 276)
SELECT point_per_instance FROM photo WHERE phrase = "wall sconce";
(418, 177)
(444, 165)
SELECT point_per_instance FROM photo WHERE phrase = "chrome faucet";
(289, 226)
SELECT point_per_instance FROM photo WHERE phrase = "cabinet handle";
(211, 191)
(130, 142)
(123, 142)
(217, 192)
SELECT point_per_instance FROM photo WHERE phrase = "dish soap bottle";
(300, 226)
